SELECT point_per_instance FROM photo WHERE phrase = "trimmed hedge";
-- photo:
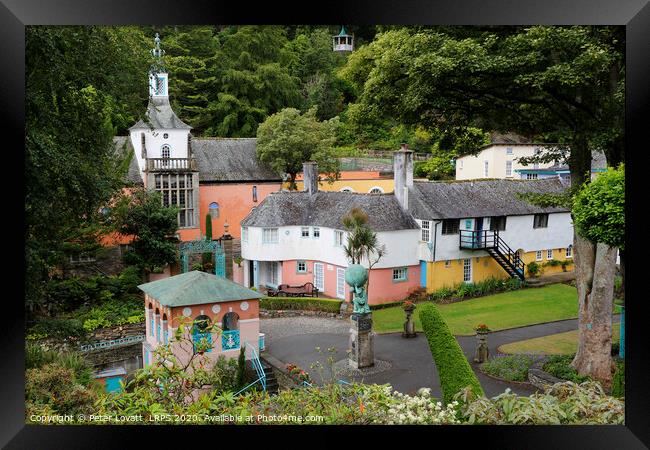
(301, 303)
(454, 370)
(386, 305)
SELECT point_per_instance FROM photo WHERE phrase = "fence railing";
(170, 164)
(129, 340)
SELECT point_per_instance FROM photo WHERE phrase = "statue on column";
(356, 277)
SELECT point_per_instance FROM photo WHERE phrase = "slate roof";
(479, 198)
(326, 209)
(123, 147)
(196, 288)
(229, 159)
(161, 115)
(598, 162)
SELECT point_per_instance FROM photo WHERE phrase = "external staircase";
(496, 247)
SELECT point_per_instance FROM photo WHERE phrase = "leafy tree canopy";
(141, 214)
(599, 208)
(288, 138)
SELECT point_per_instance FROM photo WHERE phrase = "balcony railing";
(473, 239)
(171, 164)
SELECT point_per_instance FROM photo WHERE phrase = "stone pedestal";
(482, 351)
(409, 324)
(362, 352)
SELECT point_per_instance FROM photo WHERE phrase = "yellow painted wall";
(559, 254)
(362, 186)
(439, 276)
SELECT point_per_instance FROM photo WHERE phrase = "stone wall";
(108, 261)
(539, 378)
(108, 334)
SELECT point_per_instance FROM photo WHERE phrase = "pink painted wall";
(238, 273)
(235, 202)
(382, 287)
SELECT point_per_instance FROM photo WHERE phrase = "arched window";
(214, 210)
(165, 152)
(230, 321)
(346, 189)
(230, 334)
(151, 324)
(376, 190)
(201, 333)
(157, 325)
(165, 329)
(569, 251)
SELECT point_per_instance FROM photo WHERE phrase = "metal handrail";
(257, 364)
(490, 239)
(112, 343)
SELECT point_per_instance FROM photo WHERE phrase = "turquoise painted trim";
(423, 273)
(406, 276)
(301, 271)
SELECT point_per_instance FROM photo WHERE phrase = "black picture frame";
(634, 14)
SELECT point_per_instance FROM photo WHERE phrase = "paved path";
(295, 339)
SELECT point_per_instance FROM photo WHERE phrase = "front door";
(319, 276)
(478, 226)
(340, 283)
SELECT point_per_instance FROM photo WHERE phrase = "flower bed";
(509, 367)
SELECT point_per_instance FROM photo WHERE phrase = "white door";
(340, 283)
(319, 276)
(467, 270)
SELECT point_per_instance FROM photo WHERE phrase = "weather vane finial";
(157, 52)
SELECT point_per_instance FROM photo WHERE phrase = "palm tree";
(362, 241)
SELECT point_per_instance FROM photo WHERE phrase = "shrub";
(300, 303)
(511, 368)
(241, 368)
(562, 403)
(130, 278)
(59, 328)
(386, 305)
(454, 371)
(54, 389)
(468, 290)
(560, 366)
(223, 375)
(618, 382)
(533, 268)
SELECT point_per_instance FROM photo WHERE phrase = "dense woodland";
(439, 89)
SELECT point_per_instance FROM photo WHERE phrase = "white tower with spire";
(160, 135)
(162, 144)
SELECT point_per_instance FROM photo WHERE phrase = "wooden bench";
(284, 290)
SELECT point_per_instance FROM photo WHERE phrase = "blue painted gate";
(423, 274)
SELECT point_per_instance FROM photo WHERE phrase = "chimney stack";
(310, 177)
(403, 174)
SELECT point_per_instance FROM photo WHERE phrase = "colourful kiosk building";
(199, 298)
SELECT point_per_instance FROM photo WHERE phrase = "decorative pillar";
(227, 243)
(361, 335)
(482, 350)
(409, 324)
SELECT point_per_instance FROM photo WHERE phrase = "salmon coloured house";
(200, 298)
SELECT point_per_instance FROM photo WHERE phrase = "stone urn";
(409, 324)
(482, 351)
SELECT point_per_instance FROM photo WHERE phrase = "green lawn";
(499, 312)
(554, 344)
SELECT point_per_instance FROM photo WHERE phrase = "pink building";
(199, 298)
(298, 237)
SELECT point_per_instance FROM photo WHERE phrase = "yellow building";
(477, 229)
(354, 181)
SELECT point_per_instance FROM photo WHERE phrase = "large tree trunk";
(595, 266)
